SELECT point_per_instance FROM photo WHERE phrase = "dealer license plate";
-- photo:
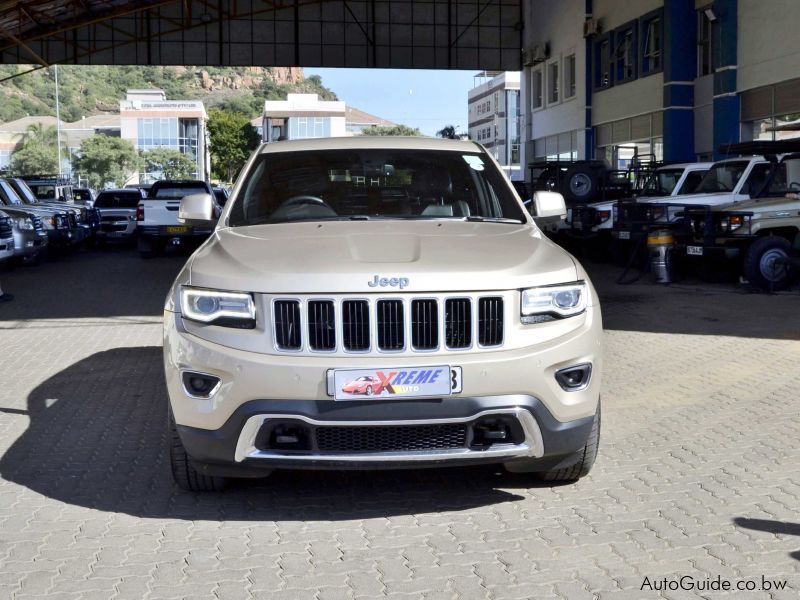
(694, 250)
(395, 383)
(177, 229)
(624, 235)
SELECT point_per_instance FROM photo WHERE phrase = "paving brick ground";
(697, 474)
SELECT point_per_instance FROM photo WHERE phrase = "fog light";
(200, 385)
(575, 378)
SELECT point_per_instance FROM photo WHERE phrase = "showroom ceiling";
(431, 34)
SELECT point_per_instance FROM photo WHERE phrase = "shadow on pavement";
(97, 438)
(694, 308)
(108, 282)
(776, 527)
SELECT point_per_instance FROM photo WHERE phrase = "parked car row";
(741, 212)
(40, 215)
(33, 226)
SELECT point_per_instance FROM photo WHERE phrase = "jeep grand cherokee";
(409, 262)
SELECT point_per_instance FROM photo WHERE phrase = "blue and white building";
(675, 79)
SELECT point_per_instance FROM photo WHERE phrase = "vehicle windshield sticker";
(473, 161)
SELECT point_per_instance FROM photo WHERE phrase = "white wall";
(613, 13)
(768, 48)
(644, 95)
(559, 24)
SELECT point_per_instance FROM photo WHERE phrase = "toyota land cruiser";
(377, 303)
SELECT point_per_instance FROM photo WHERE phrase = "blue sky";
(418, 98)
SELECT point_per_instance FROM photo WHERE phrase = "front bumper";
(6, 247)
(240, 446)
(257, 389)
(29, 242)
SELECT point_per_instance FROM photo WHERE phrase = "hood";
(347, 257)
(776, 203)
(694, 199)
(16, 212)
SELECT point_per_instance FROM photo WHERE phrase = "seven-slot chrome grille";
(405, 324)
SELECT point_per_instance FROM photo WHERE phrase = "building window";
(704, 44)
(625, 54)
(652, 50)
(569, 76)
(536, 88)
(553, 83)
(602, 62)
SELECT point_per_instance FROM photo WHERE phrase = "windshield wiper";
(478, 219)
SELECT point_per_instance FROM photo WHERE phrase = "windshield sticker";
(473, 161)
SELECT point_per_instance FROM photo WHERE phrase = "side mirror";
(197, 210)
(548, 205)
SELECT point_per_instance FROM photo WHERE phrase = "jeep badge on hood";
(401, 282)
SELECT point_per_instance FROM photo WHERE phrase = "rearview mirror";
(548, 204)
(196, 210)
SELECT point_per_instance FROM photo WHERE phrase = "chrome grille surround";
(357, 324)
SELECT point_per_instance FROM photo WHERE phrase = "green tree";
(103, 160)
(38, 154)
(231, 140)
(171, 163)
(448, 132)
(390, 130)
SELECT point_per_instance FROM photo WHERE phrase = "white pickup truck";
(157, 217)
(596, 219)
(729, 180)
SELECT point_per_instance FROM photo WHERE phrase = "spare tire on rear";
(582, 184)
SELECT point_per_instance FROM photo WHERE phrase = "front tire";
(765, 263)
(184, 474)
(576, 465)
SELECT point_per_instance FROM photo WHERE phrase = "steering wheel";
(304, 199)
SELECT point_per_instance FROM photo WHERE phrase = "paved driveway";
(697, 474)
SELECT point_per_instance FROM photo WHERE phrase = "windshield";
(118, 200)
(23, 191)
(662, 182)
(373, 183)
(722, 177)
(173, 190)
(43, 191)
(8, 195)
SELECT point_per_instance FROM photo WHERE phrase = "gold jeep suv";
(379, 303)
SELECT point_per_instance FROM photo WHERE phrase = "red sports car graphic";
(365, 384)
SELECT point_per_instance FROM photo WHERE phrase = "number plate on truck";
(694, 250)
(175, 229)
(624, 235)
(394, 383)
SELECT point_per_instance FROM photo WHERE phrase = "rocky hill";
(91, 90)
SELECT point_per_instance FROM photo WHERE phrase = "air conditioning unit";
(592, 27)
(533, 56)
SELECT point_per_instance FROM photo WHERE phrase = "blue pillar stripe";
(726, 99)
(680, 67)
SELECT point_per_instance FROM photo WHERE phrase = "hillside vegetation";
(92, 90)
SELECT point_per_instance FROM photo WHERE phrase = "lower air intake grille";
(321, 326)
(287, 324)
(391, 438)
(490, 321)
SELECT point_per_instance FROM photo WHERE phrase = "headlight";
(603, 216)
(564, 300)
(228, 309)
(659, 212)
(25, 224)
